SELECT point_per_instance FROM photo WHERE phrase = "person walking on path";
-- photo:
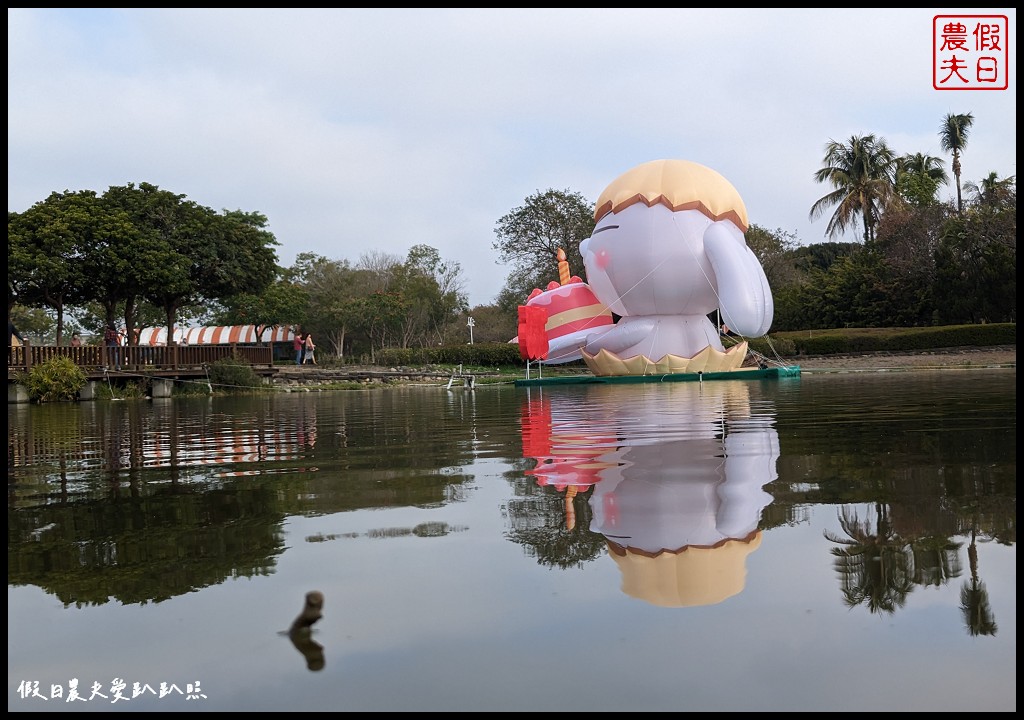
(310, 358)
(299, 345)
(112, 339)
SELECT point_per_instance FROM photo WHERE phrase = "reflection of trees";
(538, 522)
(978, 616)
(929, 485)
(87, 532)
(991, 505)
(139, 503)
(936, 560)
(874, 564)
(146, 546)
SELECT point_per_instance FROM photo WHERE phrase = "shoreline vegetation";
(305, 378)
(329, 376)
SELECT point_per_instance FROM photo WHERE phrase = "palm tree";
(925, 165)
(953, 138)
(863, 173)
(992, 191)
(918, 177)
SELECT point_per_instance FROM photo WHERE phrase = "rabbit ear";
(743, 292)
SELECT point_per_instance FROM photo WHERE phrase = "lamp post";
(470, 324)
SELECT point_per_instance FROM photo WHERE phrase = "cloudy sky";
(375, 130)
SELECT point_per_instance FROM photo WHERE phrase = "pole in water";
(110, 386)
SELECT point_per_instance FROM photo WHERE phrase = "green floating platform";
(772, 373)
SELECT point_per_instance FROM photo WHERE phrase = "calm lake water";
(833, 542)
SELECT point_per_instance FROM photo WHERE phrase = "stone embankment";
(939, 358)
(298, 376)
(1005, 356)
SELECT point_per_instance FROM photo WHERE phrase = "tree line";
(922, 262)
(139, 255)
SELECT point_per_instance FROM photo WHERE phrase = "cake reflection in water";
(676, 474)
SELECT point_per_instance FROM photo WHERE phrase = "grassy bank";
(840, 341)
(790, 344)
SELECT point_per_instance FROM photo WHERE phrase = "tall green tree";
(123, 261)
(953, 138)
(237, 254)
(433, 289)
(204, 255)
(773, 249)
(992, 191)
(976, 266)
(334, 288)
(45, 248)
(530, 236)
(283, 303)
(823, 255)
(862, 172)
(919, 177)
(175, 226)
(906, 243)
(35, 324)
(380, 317)
(20, 264)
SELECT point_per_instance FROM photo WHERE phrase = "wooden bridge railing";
(139, 357)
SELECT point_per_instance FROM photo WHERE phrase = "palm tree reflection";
(875, 564)
(936, 560)
(974, 605)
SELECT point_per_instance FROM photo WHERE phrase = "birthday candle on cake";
(563, 268)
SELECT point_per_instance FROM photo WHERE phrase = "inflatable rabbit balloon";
(667, 250)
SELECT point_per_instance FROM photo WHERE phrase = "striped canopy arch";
(216, 335)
